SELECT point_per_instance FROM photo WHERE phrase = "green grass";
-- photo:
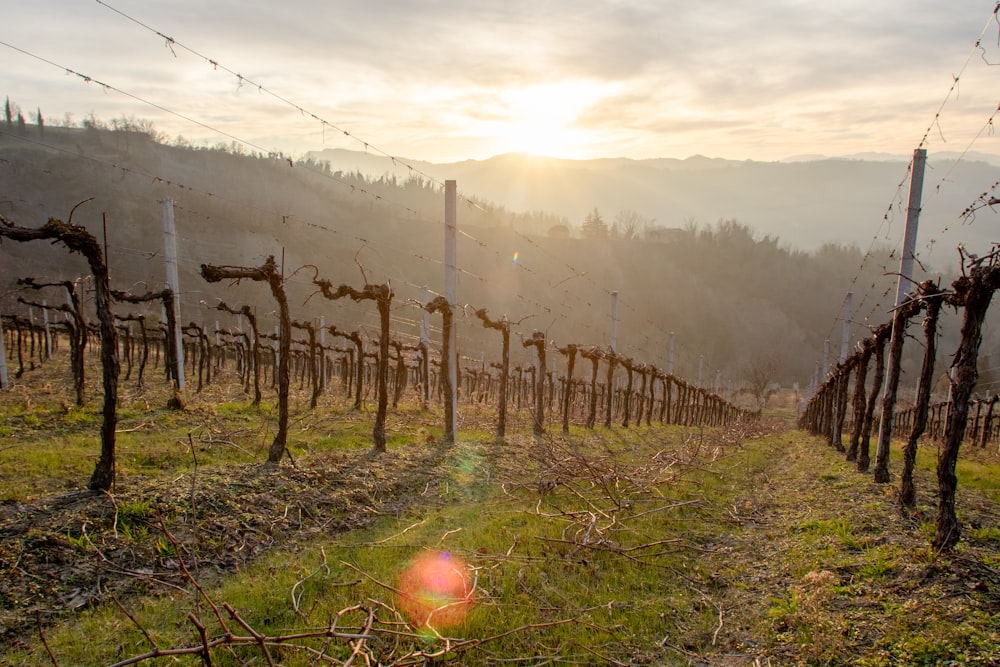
(532, 562)
(632, 546)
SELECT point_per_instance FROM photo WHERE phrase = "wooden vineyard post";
(268, 272)
(399, 384)
(201, 345)
(667, 380)
(654, 373)
(141, 319)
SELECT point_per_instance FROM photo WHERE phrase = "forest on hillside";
(731, 296)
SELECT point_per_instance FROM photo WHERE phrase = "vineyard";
(322, 469)
(332, 425)
(253, 411)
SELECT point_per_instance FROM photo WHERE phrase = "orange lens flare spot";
(436, 590)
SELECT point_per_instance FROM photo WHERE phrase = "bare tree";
(759, 379)
(630, 224)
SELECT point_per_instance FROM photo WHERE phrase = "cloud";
(665, 75)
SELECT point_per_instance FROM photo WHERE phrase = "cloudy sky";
(443, 81)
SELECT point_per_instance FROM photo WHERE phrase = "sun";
(543, 119)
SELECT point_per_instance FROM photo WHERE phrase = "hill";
(730, 292)
(805, 202)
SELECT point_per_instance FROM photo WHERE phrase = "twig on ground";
(297, 599)
(41, 635)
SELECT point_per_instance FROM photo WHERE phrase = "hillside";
(729, 292)
(806, 203)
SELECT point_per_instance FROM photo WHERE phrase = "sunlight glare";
(541, 119)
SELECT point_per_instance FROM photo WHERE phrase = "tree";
(8, 112)
(759, 377)
(630, 223)
(41, 122)
(594, 226)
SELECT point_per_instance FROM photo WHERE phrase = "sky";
(445, 81)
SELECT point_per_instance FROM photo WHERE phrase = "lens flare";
(515, 258)
(435, 590)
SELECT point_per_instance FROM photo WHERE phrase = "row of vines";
(848, 389)
(638, 392)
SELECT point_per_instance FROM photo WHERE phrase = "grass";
(657, 545)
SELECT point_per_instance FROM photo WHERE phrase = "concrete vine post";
(77, 239)
(269, 273)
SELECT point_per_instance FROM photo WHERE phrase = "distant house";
(658, 234)
(559, 232)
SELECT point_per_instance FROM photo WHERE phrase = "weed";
(985, 533)
(879, 563)
(80, 542)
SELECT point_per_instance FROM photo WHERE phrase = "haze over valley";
(732, 292)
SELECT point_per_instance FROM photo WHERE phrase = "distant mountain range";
(805, 201)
